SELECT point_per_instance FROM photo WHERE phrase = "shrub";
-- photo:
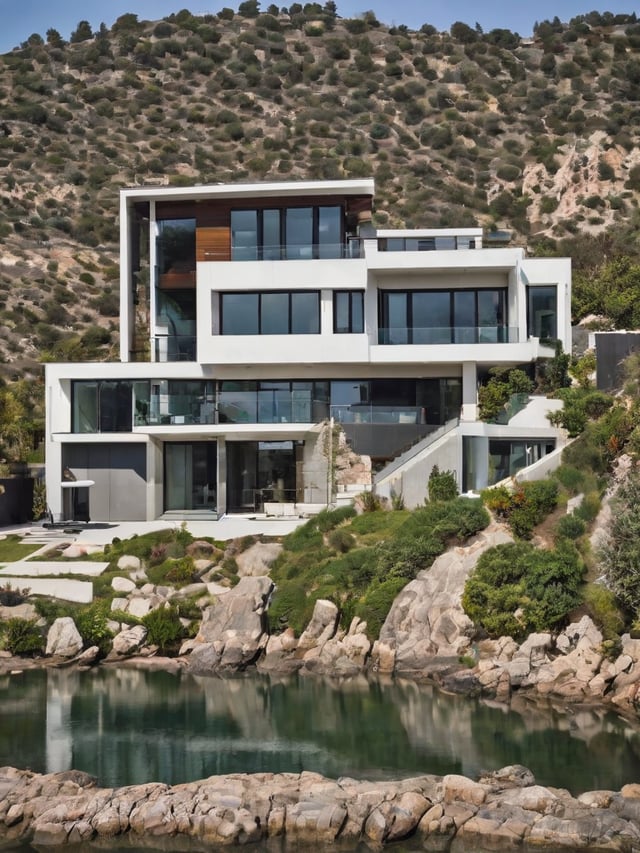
(443, 485)
(516, 589)
(22, 637)
(164, 628)
(178, 572)
(523, 507)
(376, 604)
(341, 540)
(620, 555)
(91, 623)
(601, 606)
(570, 527)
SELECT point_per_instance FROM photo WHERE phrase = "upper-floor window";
(348, 311)
(291, 233)
(425, 244)
(443, 316)
(101, 406)
(542, 311)
(275, 313)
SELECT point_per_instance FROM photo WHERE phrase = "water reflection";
(128, 726)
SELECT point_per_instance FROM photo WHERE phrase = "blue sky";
(20, 18)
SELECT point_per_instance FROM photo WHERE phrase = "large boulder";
(63, 638)
(426, 622)
(233, 631)
(129, 641)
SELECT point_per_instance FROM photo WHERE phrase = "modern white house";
(254, 315)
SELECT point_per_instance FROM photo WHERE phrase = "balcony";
(174, 347)
(398, 336)
(239, 407)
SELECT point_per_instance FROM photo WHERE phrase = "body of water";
(128, 726)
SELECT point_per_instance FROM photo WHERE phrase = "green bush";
(22, 637)
(175, 572)
(443, 485)
(516, 589)
(523, 507)
(164, 628)
(341, 540)
(376, 604)
(570, 527)
(601, 606)
(91, 623)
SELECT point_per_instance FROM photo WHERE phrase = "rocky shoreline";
(502, 811)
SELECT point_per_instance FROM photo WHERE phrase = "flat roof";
(364, 186)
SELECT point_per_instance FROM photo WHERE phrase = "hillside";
(537, 136)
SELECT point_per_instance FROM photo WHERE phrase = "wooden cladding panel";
(213, 244)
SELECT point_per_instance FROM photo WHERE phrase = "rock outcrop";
(426, 625)
(502, 811)
(233, 631)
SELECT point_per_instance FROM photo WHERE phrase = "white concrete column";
(469, 391)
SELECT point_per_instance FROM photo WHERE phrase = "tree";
(82, 32)
(54, 38)
(249, 8)
(620, 555)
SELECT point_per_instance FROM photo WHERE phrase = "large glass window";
(290, 233)
(244, 235)
(442, 316)
(103, 406)
(542, 314)
(348, 312)
(277, 313)
(176, 249)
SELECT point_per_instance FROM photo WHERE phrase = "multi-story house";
(253, 315)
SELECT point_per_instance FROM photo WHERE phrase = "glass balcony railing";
(257, 407)
(364, 413)
(174, 347)
(350, 248)
(448, 335)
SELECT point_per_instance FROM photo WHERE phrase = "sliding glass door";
(190, 475)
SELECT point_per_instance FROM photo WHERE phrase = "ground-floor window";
(190, 475)
(261, 471)
(488, 461)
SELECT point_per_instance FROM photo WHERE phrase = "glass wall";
(176, 290)
(443, 316)
(506, 457)
(190, 475)
(101, 406)
(273, 401)
(291, 233)
(275, 313)
(397, 400)
(258, 472)
(542, 312)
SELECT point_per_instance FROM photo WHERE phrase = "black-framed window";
(101, 406)
(348, 312)
(443, 316)
(290, 233)
(273, 313)
(542, 311)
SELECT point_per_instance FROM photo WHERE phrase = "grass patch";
(12, 549)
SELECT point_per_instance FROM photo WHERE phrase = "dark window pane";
(395, 318)
(271, 250)
(274, 314)
(85, 407)
(464, 316)
(305, 313)
(543, 312)
(176, 246)
(341, 307)
(431, 319)
(299, 232)
(239, 313)
(329, 232)
(357, 312)
(244, 235)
